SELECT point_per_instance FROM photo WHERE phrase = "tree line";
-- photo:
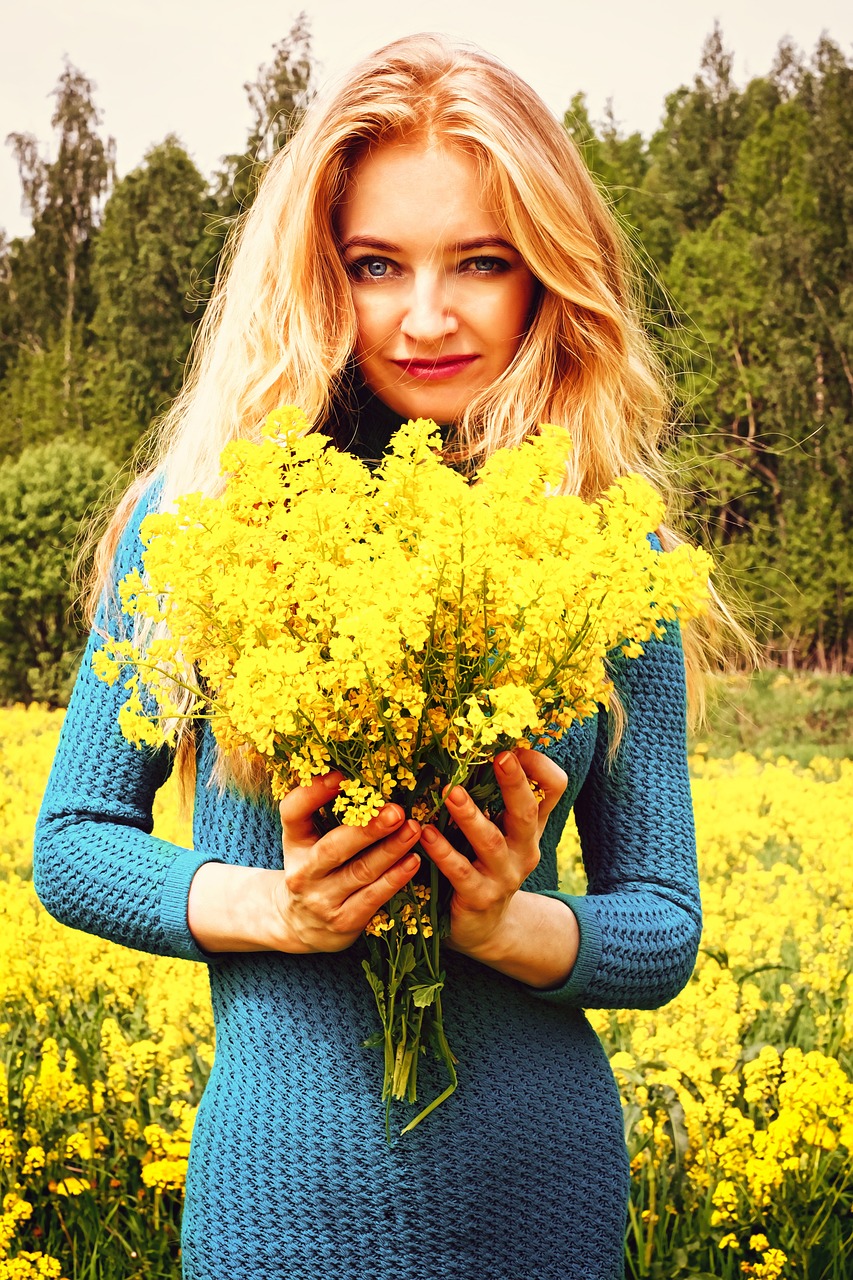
(738, 207)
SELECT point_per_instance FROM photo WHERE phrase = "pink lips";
(435, 370)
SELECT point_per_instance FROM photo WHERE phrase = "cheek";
(374, 318)
(526, 304)
(362, 325)
(511, 334)
(512, 317)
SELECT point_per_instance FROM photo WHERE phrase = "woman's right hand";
(333, 884)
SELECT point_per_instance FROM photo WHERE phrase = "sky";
(179, 66)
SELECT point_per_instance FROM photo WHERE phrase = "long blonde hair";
(280, 325)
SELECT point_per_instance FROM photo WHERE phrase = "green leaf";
(377, 984)
(405, 964)
(82, 1056)
(424, 994)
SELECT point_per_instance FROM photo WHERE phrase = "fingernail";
(390, 816)
(333, 780)
(411, 862)
(505, 760)
(429, 835)
(411, 828)
(457, 796)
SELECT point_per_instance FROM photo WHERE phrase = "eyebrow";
(457, 246)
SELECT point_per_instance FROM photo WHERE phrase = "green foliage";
(744, 199)
(768, 283)
(44, 496)
(798, 714)
(620, 164)
(35, 404)
(148, 258)
(694, 153)
(48, 273)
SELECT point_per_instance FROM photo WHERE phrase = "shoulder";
(120, 548)
(141, 499)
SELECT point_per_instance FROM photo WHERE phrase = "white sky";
(179, 66)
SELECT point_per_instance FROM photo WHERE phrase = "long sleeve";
(640, 920)
(96, 865)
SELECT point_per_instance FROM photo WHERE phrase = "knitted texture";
(522, 1174)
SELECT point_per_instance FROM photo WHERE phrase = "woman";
(430, 244)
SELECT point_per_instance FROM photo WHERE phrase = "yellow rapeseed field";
(738, 1096)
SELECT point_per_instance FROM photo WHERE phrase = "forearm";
(234, 908)
(640, 946)
(536, 942)
(640, 921)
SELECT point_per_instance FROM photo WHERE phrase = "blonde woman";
(430, 244)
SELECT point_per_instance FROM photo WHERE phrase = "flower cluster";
(702, 1080)
(402, 626)
(395, 623)
(414, 915)
(737, 1099)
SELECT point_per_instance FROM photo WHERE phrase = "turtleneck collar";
(361, 423)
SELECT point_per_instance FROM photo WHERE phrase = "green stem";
(450, 1064)
(433, 919)
(413, 1071)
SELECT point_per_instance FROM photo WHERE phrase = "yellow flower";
(33, 1160)
(622, 1061)
(401, 626)
(776, 857)
(771, 1265)
(165, 1175)
(73, 1186)
(384, 623)
(379, 924)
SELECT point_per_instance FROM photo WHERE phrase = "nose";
(429, 316)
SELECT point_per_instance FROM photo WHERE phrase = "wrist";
(235, 908)
(488, 945)
(536, 941)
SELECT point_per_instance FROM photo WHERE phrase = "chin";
(425, 404)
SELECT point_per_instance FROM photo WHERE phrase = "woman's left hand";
(505, 855)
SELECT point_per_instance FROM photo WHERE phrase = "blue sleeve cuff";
(577, 984)
(173, 906)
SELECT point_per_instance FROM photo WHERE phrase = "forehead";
(420, 191)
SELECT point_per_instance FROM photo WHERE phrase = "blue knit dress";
(523, 1173)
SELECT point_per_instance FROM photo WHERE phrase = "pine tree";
(45, 295)
(148, 260)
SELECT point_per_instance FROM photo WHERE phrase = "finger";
(459, 870)
(487, 840)
(550, 779)
(298, 807)
(368, 867)
(364, 903)
(521, 806)
(343, 843)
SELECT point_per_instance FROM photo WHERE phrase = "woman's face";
(442, 299)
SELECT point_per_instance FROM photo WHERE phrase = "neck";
(363, 424)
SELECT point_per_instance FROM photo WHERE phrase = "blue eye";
(368, 269)
(486, 266)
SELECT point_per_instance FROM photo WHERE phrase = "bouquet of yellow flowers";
(402, 626)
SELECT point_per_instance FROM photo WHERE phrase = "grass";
(798, 714)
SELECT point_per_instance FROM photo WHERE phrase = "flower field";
(738, 1096)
